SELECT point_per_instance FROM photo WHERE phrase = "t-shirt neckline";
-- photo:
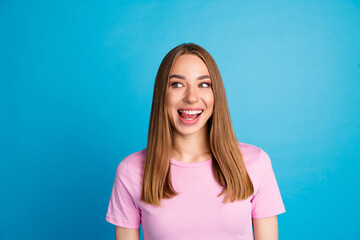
(191, 164)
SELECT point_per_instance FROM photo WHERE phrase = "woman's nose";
(191, 95)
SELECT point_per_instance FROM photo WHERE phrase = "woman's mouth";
(189, 116)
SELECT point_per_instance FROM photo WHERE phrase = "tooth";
(191, 112)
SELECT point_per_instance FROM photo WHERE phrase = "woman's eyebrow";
(177, 76)
(202, 77)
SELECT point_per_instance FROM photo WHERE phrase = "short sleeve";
(266, 201)
(122, 210)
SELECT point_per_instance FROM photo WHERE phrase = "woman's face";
(190, 99)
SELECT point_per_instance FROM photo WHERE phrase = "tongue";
(184, 115)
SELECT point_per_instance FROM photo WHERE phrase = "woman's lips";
(189, 119)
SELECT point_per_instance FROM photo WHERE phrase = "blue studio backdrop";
(76, 84)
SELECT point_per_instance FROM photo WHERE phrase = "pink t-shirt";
(196, 212)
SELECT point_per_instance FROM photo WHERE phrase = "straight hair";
(228, 165)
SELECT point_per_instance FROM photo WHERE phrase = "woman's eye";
(205, 85)
(176, 84)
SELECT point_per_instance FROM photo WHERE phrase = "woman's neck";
(191, 148)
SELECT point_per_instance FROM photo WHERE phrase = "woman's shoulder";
(249, 150)
(136, 159)
(252, 154)
(256, 160)
(132, 164)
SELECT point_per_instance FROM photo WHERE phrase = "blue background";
(76, 87)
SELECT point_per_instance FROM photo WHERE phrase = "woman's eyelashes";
(202, 85)
(205, 84)
(176, 84)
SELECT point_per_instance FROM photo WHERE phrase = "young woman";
(194, 180)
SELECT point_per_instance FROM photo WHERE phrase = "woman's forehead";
(189, 64)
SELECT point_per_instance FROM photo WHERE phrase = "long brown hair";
(228, 165)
